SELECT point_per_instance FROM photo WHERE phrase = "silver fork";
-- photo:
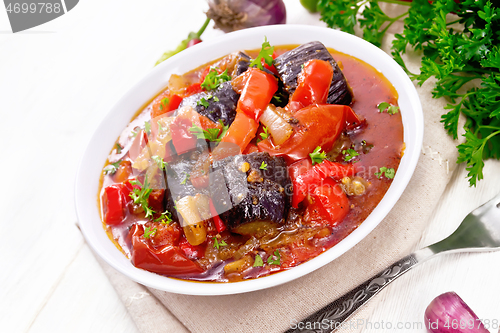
(479, 231)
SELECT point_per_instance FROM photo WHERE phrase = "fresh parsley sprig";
(218, 244)
(274, 260)
(389, 173)
(453, 56)
(349, 154)
(210, 134)
(110, 169)
(141, 195)
(266, 53)
(317, 156)
(213, 79)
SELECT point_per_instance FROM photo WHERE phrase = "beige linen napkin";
(272, 310)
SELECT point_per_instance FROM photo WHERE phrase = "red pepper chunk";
(318, 125)
(258, 90)
(166, 259)
(313, 83)
(113, 204)
(330, 205)
(307, 182)
(219, 224)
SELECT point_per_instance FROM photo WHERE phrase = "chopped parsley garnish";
(159, 161)
(391, 109)
(216, 98)
(210, 134)
(111, 168)
(214, 79)
(164, 218)
(218, 244)
(134, 132)
(317, 156)
(388, 173)
(263, 166)
(265, 53)
(203, 102)
(164, 103)
(263, 135)
(276, 99)
(349, 154)
(272, 261)
(141, 195)
(148, 233)
(160, 128)
(258, 261)
(147, 127)
(186, 178)
(118, 148)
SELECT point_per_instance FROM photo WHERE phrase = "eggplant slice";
(289, 66)
(221, 103)
(248, 188)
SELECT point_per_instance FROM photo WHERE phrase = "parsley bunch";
(460, 44)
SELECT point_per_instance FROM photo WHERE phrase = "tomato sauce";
(227, 256)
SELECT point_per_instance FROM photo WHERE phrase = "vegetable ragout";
(252, 164)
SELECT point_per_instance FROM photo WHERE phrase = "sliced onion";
(194, 227)
(449, 313)
(231, 15)
(277, 126)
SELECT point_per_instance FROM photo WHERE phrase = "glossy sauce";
(381, 138)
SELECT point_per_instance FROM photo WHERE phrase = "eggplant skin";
(241, 196)
(223, 107)
(289, 66)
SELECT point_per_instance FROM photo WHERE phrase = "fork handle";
(334, 314)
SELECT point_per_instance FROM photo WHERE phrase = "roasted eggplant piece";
(253, 187)
(242, 63)
(221, 103)
(289, 66)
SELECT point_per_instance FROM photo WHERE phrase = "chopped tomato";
(307, 182)
(258, 90)
(313, 83)
(113, 204)
(241, 131)
(330, 204)
(164, 259)
(191, 90)
(164, 103)
(318, 125)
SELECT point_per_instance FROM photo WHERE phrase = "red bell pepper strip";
(258, 90)
(113, 204)
(318, 125)
(219, 224)
(313, 83)
(165, 259)
(241, 131)
(307, 182)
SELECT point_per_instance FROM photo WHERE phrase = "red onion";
(449, 313)
(231, 15)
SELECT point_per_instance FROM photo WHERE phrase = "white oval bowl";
(87, 179)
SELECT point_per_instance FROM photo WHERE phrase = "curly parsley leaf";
(317, 156)
(218, 244)
(110, 169)
(141, 195)
(389, 108)
(164, 218)
(349, 154)
(148, 232)
(263, 166)
(160, 162)
(258, 262)
(266, 54)
(389, 173)
(186, 178)
(210, 134)
(213, 79)
(264, 135)
(271, 259)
